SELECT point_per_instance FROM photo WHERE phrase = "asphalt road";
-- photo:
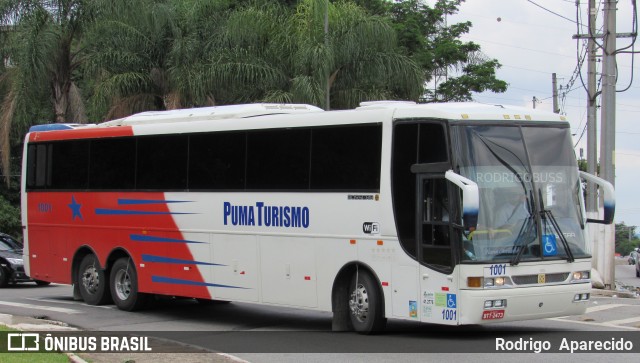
(247, 329)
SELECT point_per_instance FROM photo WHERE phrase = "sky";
(531, 44)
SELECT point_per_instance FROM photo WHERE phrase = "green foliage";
(453, 69)
(121, 57)
(626, 240)
(9, 218)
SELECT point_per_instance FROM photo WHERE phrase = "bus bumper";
(522, 303)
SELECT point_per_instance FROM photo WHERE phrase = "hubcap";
(123, 284)
(91, 280)
(359, 303)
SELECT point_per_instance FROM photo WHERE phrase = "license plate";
(492, 314)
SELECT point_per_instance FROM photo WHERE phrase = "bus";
(455, 213)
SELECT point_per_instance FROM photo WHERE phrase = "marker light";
(474, 281)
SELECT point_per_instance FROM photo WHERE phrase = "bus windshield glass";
(530, 205)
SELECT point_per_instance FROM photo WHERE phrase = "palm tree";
(127, 57)
(42, 57)
(356, 58)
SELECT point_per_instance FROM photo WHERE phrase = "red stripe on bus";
(84, 133)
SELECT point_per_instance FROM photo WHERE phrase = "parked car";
(11, 262)
(633, 257)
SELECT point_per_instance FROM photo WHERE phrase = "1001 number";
(497, 270)
(449, 314)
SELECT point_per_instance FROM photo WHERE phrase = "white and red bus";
(455, 213)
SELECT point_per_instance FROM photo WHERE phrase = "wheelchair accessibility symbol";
(549, 244)
(451, 301)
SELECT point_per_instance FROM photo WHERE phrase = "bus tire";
(365, 304)
(92, 282)
(124, 286)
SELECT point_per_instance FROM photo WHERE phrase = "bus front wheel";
(365, 304)
(93, 282)
(124, 286)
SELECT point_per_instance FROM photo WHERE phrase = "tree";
(355, 58)
(41, 50)
(127, 51)
(216, 52)
(626, 240)
(453, 68)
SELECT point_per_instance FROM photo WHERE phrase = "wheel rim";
(123, 285)
(359, 303)
(91, 280)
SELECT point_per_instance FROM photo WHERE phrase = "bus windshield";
(530, 205)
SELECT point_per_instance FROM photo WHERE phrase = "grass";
(27, 357)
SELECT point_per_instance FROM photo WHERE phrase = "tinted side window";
(39, 166)
(162, 162)
(433, 144)
(405, 151)
(346, 157)
(278, 159)
(69, 164)
(217, 160)
(112, 164)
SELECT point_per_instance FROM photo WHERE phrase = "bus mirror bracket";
(470, 199)
(607, 190)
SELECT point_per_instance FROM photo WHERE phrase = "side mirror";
(608, 195)
(470, 199)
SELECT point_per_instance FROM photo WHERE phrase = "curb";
(74, 358)
(614, 293)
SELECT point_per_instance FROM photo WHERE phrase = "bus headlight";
(493, 281)
(488, 282)
(580, 275)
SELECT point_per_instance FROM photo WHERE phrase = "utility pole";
(592, 127)
(554, 84)
(608, 130)
(592, 143)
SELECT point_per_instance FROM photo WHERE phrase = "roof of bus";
(254, 116)
(462, 111)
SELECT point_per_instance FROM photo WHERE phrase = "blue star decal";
(75, 209)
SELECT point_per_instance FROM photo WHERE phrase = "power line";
(553, 12)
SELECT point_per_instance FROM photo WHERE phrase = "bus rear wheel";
(124, 286)
(92, 282)
(365, 304)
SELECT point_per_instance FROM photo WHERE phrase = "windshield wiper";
(547, 215)
(520, 242)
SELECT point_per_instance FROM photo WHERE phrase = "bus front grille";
(534, 279)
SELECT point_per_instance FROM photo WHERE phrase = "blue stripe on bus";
(169, 280)
(161, 259)
(149, 201)
(103, 211)
(50, 127)
(145, 238)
